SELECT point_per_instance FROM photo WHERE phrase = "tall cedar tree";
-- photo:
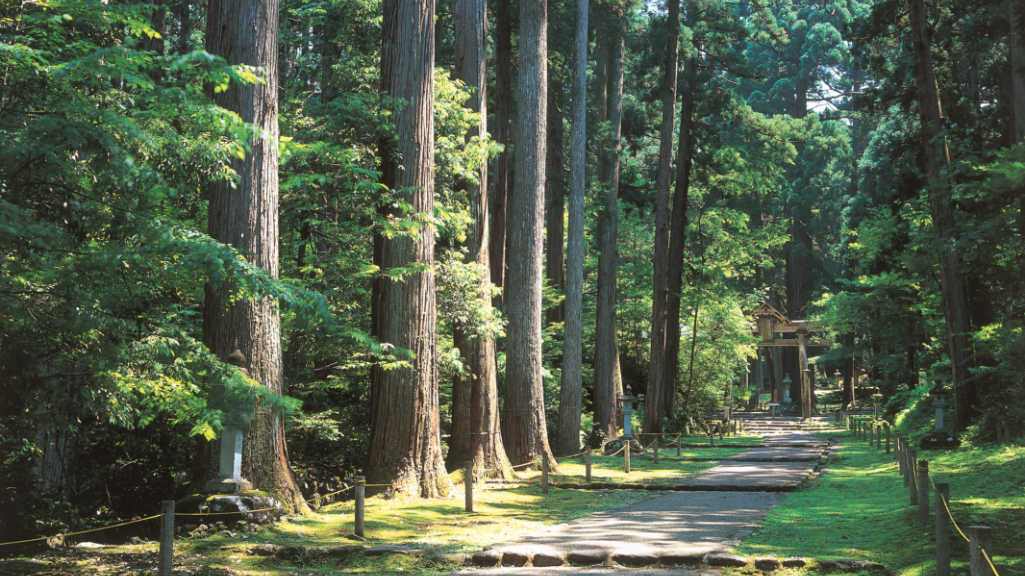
(405, 443)
(605, 333)
(244, 215)
(476, 434)
(678, 224)
(503, 109)
(571, 390)
(936, 156)
(555, 200)
(654, 408)
(523, 420)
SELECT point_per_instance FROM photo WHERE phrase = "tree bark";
(244, 215)
(555, 199)
(654, 407)
(523, 424)
(678, 235)
(605, 332)
(405, 443)
(934, 149)
(1016, 41)
(503, 108)
(571, 390)
(185, 23)
(476, 434)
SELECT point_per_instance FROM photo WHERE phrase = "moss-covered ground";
(503, 513)
(860, 510)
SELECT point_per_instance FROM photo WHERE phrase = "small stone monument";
(229, 478)
(627, 410)
(938, 438)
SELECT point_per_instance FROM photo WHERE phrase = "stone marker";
(229, 478)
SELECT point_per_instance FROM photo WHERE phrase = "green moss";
(860, 510)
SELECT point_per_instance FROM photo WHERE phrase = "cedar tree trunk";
(605, 333)
(244, 215)
(503, 108)
(476, 435)
(523, 423)
(654, 408)
(934, 149)
(554, 203)
(405, 443)
(678, 235)
(567, 440)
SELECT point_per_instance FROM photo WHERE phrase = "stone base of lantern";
(939, 439)
(231, 485)
(207, 509)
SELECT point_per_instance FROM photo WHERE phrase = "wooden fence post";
(887, 439)
(942, 529)
(913, 476)
(626, 456)
(587, 465)
(166, 561)
(980, 538)
(923, 492)
(469, 486)
(361, 488)
(679, 441)
(544, 472)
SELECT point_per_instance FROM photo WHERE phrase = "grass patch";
(504, 513)
(859, 510)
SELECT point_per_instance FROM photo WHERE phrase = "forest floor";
(857, 509)
(503, 512)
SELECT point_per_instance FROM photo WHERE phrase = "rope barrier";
(954, 522)
(84, 531)
(988, 561)
(961, 532)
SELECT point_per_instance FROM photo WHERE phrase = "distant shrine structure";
(773, 330)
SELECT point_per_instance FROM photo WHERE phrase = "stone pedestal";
(229, 479)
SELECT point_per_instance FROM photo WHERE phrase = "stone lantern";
(938, 438)
(627, 403)
(786, 388)
(229, 478)
(838, 377)
(876, 399)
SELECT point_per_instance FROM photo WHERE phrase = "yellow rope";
(951, 516)
(84, 531)
(988, 561)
